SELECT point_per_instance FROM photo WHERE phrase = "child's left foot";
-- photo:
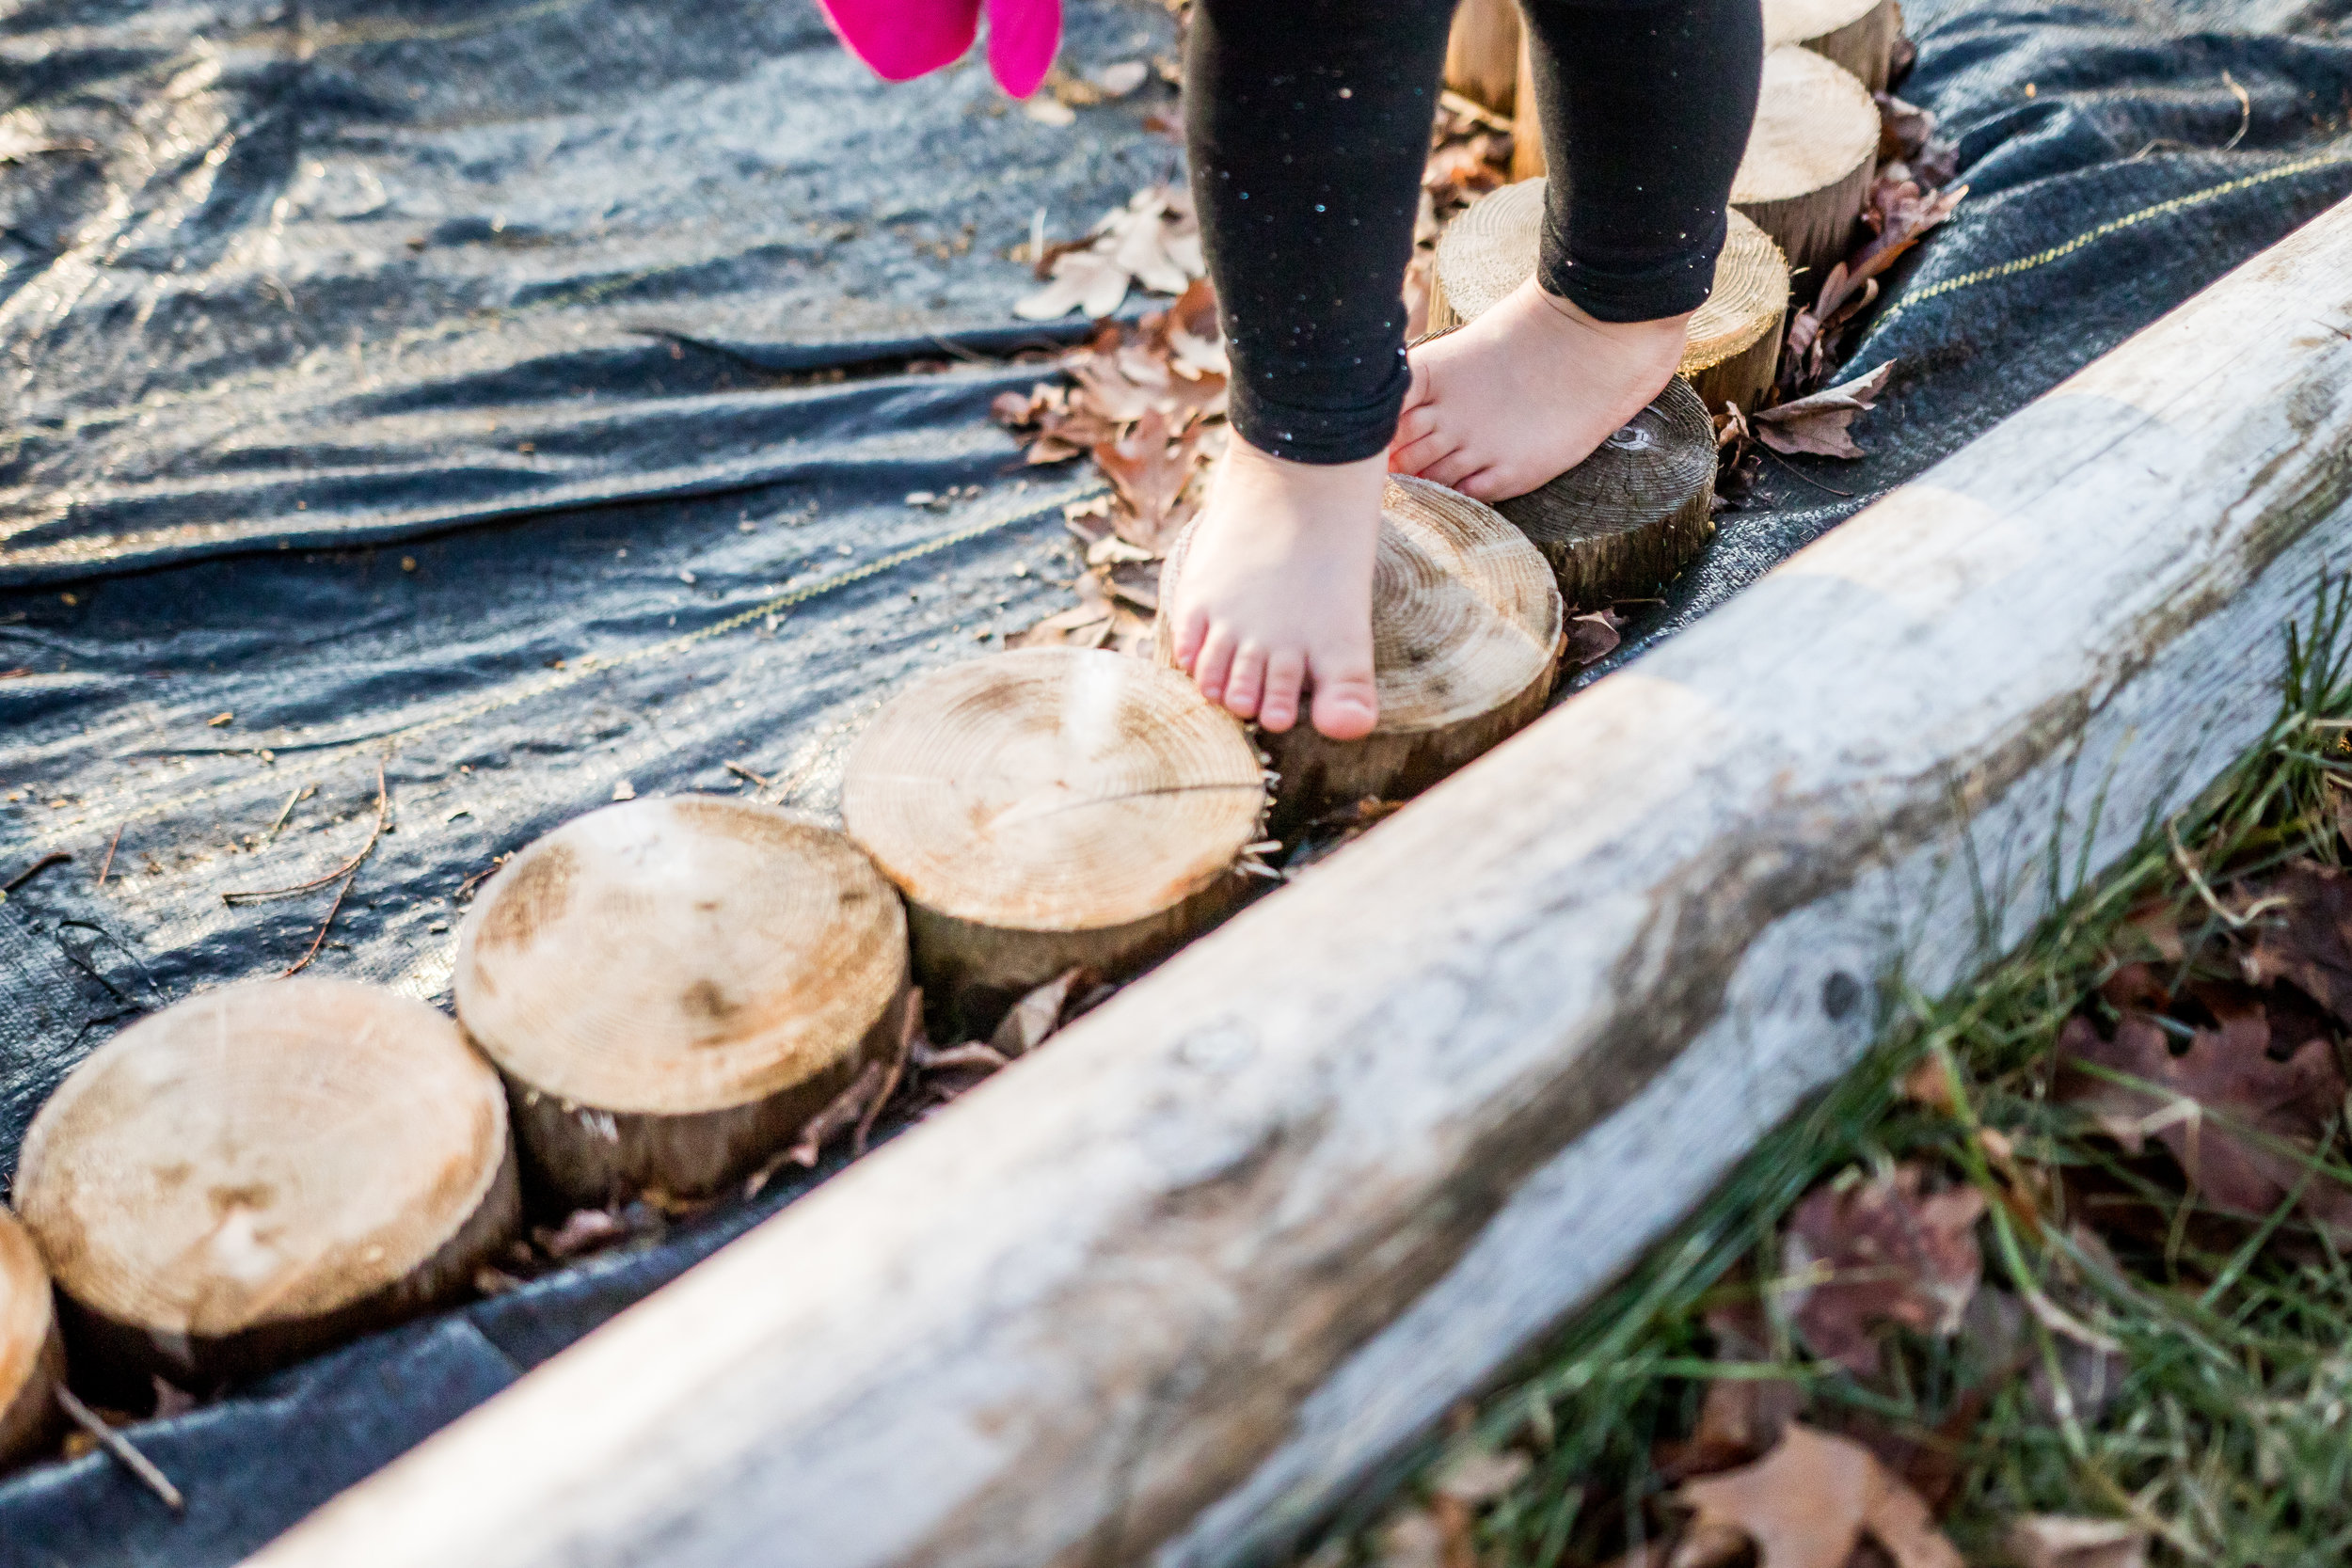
(1517, 398)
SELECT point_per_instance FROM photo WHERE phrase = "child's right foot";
(1276, 593)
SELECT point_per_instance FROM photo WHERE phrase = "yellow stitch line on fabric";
(2026, 263)
(578, 671)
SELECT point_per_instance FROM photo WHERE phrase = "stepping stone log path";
(1859, 35)
(32, 1351)
(1626, 521)
(657, 997)
(261, 1171)
(1467, 628)
(1810, 159)
(673, 987)
(1052, 809)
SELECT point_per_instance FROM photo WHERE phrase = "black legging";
(1308, 123)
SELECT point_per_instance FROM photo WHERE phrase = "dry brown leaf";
(1809, 1502)
(2055, 1541)
(1889, 1253)
(1152, 468)
(1482, 1474)
(1154, 241)
(1817, 423)
(1901, 214)
(2257, 1083)
(2305, 936)
(1593, 636)
(1411, 1539)
(1034, 1016)
(1802, 1504)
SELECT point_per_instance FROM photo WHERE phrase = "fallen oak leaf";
(1889, 1253)
(2240, 1110)
(2305, 935)
(1151, 468)
(1902, 213)
(1482, 1474)
(1808, 1503)
(1817, 423)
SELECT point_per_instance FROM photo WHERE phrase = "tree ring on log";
(1051, 809)
(32, 1351)
(1734, 350)
(254, 1173)
(1806, 172)
(1467, 628)
(1859, 35)
(673, 987)
(1624, 523)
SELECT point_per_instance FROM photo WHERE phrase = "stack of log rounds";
(673, 987)
(1624, 523)
(253, 1174)
(1467, 628)
(1810, 158)
(1859, 35)
(32, 1351)
(1735, 337)
(1052, 809)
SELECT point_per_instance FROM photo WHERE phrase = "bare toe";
(1452, 467)
(1192, 628)
(1414, 457)
(1285, 674)
(1216, 658)
(1412, 425)
(1245, 681)
(1347, 704)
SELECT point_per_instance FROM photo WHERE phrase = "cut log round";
(673, 987)
(1735, 337)
(1482, 55)
(1859, 35)
(32, 1351)
(1623, 523)
(262, 1171)
(1052, 809)
(1809, 160)
(1467, 628)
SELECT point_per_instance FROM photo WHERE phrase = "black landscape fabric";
(524, 398)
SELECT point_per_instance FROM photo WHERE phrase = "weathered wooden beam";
(1394, 1120)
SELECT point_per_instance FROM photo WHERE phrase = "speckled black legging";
(1309, 120)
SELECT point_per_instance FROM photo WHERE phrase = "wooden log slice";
(1735, 342)
(1859, 35)
(1052, 809)
(32, 1350)
(262, 1171)
(1482, 56)
(1809, 160)
(1467, 627)
(673, 987)
(1624, 523)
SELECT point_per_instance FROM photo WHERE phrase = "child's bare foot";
(1276, 592)
(1527, 391)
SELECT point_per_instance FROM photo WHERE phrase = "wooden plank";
(1101, 1291)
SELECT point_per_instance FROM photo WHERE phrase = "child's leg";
(1308, 123)
(1645, 106)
